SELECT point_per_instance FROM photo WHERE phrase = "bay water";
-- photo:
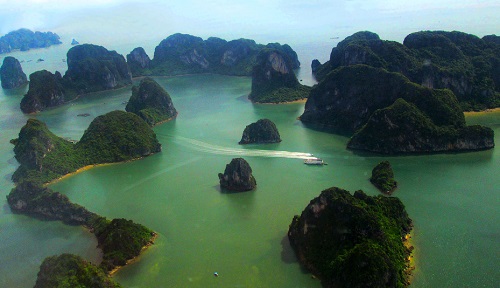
(453, 199)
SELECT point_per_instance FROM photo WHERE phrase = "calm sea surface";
(452, 198)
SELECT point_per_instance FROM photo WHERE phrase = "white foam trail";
(191, 160)
(220, 150)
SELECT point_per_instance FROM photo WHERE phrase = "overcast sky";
(392, 19)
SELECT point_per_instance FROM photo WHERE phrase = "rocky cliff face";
(138, 61)
(353, 241)
(345, 100)
(262, 131)
(273, 80)
(93, 68)
(151, 102)
(45, 90)
(11, 73)
(183, 53)
(359, 99)
(237, 176)
(43, 203)
(457, 61)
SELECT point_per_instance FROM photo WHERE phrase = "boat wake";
(220, 150)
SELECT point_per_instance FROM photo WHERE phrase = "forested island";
(353, 240)
(91, 68)
(25, 39)
(363, 92)
(114, 137)
(151, 102)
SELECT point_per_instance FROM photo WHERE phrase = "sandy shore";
(151, 242)
(473, 113)
(304, 100)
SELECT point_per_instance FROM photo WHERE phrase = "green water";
(452, 198)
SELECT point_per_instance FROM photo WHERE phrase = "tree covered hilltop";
(353, 240)
(25, 39)
(386, 113)
(467, 65)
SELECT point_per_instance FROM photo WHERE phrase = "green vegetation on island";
(187, 54)
(389, 114)
(273, 80)
(463, 63)
(262, 131)
(151, 102)
(383, 178)
(67, 270)
(25, 39)
(353, 241)
(237, 176)
(113, 137)
(91, 68)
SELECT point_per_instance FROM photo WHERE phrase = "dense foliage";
(120, 240)
(46, 90)
(383, 177)
(262, 131)
(273, 80)
(151, 102)
(403, 128)
(387, 113)
(461, 62)
(186, 54)
(71, 271)
(93, 68)
(117, 136)
(24, 39)
(353, 241)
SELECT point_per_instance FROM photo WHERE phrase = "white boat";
(314, 161)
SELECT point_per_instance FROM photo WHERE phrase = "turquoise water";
(452, 198)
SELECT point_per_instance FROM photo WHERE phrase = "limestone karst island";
(145, 146)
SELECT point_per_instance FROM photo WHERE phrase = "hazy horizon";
(263, 21)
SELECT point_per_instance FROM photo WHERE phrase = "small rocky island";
(151, 102)
(187, 54)
(69, 270)
(25, 39)
(113, 137)
(273, 79)
(383, 178)
(262, 131)
(11, 73)
(237, 176)
(45, 90)
(353, 241)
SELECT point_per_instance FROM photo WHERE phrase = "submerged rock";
(237, 176)
(11, 73)
(262, 131)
